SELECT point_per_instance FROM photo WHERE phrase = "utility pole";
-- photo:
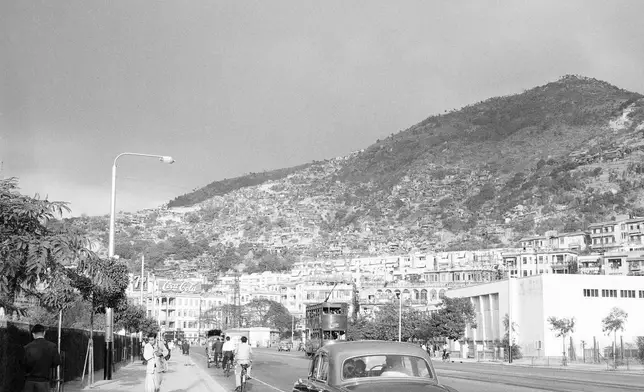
(141, 281)
(237, 302)
(199, 320)
(509, 319)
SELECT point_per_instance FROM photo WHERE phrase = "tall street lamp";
(109, 316)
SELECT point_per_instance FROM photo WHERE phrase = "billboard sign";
(179, 286)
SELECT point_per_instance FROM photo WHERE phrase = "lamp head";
(167, 159)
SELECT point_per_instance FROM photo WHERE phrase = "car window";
(386, 366)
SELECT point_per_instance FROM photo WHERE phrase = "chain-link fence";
(627, 359)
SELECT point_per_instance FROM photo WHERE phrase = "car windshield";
(385, 366)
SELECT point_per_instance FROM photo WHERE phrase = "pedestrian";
(186, 348)
(39, 358)
(218, 348)
(152, 369)
(165, 350)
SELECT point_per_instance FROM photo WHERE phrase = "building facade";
(532, 300)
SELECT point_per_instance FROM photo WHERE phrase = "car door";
(318, 376)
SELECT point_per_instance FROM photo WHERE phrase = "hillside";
(555, 157)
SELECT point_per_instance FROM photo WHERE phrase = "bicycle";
(227, 367)
(244, 370)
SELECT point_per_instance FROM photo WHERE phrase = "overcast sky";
(233, 87)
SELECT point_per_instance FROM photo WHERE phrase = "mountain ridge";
(555, 157)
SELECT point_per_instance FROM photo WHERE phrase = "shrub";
(640, 348)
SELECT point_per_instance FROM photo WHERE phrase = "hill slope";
(558, 156)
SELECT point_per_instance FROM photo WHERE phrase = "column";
(481, 327)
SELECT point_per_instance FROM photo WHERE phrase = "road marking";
(267, 384)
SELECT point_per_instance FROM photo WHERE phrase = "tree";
(384, 324)
(129, 316)
(516, 350)
(452, 319)
(615, 321)
(262, 312)
(31, 250)
(562, 327)
(256, 311)
(640, 348)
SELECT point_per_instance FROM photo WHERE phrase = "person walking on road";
(243, 356)
(40, 357)
(165, 350)
(218, 349)
(151, 354)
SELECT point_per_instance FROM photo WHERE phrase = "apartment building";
(536, 261)
(178, 304)
(553, 240)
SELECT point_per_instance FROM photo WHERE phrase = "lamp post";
(292, 330)
(509, 319)
(109, 313)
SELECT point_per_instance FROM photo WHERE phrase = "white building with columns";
(533, 299)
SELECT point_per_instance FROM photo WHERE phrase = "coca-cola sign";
(183, 286)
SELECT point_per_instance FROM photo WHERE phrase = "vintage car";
(371, 365)
(284, 346)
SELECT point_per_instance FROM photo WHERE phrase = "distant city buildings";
(195, 303)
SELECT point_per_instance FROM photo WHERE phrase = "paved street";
(277, 371)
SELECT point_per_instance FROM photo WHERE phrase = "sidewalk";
(183, 376)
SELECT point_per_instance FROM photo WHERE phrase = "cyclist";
(228, 348)
(243, 356)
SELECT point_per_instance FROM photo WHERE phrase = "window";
(525, 273)
(385, 365)
(641, 293)
(323, 371)
(591, 293)
(627, 293)
(525, 261)
(609, 293)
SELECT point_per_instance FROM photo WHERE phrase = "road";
(277, 371)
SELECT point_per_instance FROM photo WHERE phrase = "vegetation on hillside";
(218, 188)
(555, 157)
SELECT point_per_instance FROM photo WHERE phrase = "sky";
(232, 87)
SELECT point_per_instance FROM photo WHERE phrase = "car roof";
(342, 350)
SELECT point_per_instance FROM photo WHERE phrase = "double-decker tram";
(325, 322)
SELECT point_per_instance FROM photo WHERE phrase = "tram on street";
(325, 322)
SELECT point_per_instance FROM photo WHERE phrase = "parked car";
(378, 366)
(284, 346)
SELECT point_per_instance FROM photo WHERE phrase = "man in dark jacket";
(40, 357)
(217, 347)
